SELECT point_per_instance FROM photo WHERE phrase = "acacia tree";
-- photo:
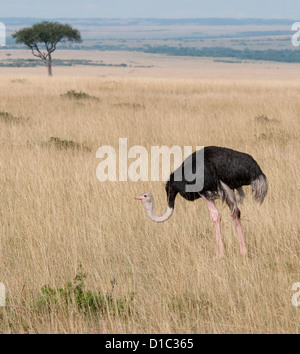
(47, 34)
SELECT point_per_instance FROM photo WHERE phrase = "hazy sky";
(151, 8)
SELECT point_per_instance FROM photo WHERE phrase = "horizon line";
(153, 18)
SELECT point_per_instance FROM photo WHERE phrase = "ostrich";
(225, 170)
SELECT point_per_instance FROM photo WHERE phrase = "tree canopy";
(49, 34)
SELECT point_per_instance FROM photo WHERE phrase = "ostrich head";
(148, 202)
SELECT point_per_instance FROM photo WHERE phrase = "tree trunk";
(49, 65)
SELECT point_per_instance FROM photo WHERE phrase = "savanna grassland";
(126, 274)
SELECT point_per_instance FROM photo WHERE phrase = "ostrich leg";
(236, 215)
(216, 217)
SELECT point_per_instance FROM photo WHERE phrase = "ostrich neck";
(165, 217)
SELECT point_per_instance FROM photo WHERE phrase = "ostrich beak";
(140, 197)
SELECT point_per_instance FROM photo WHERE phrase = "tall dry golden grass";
(55, 214)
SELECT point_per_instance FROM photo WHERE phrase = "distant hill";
(16, 21)
(220, 38)
(153, 28)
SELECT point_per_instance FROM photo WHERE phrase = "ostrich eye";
(145, 196)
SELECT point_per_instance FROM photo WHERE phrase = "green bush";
(9, 118)
(66, 144)
(86, 301)
(79, 95)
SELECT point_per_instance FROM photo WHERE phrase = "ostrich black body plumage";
(235, 169)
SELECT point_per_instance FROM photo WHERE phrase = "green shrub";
(86, 301)
(66, 144)
(9, 118)
(79, 95)
(262, 119)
